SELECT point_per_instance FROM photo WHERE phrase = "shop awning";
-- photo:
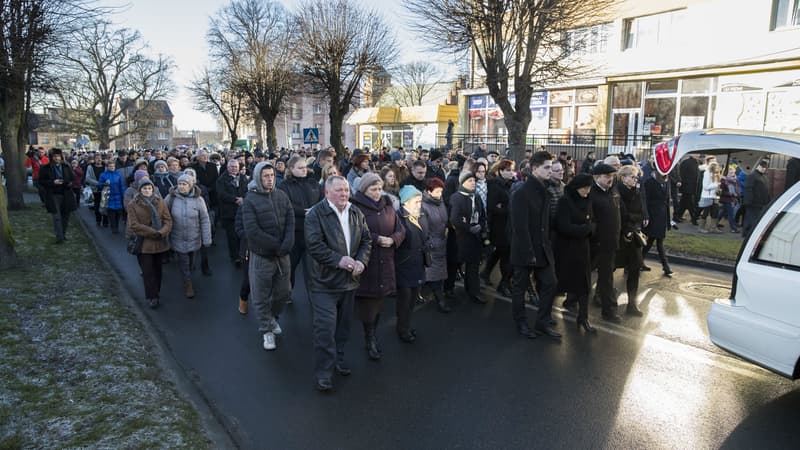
(404, 115)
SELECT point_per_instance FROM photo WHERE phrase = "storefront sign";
(690, 123)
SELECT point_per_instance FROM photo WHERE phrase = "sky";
(177, 28)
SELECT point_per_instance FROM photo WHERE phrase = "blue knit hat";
(407, 193)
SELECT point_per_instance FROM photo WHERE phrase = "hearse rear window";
(781, 243)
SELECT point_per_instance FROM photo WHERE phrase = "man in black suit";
(531, 249)
(605, 240)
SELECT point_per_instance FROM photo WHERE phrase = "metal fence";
(575, 145)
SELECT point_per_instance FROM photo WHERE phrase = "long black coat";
(378, 279)
(631, 215)
(47, 177)
(409, 260)
(530, 225)
(434, 221)
(207, 176)
(756, 192)
(656, 207)
(227, 193)
(469, 245)
(303, 193)
(497, 199)
(690, 176)
(605, 210)
(792, 172)
(573, 228)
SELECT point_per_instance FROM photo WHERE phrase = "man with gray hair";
(231, 189)
(338, 241)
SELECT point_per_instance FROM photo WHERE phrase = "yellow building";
(663, 68)
(401, 126)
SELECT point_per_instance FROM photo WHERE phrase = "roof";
(160, 107)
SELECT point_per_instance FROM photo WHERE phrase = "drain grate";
(707, 290)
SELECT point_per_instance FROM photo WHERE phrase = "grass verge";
(76, 367)
(710, 246)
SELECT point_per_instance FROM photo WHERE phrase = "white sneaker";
(269, 341)
(276, 328)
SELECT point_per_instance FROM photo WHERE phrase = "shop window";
(785, 13)
(561, 97)
(694, 112)
(696, 86)
(662, 87)
(627, 95)
(660, 113)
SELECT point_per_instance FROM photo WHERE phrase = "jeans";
(185, 264)
(332, 313)
(729, 212)
(60, 217)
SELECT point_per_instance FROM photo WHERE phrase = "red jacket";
(35, 164)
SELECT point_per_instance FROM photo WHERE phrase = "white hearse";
(761, 320)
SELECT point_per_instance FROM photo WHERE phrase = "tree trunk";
(336, 116)
(517, 132)
(234, 137)
(272, 134)
(8, 255)
(16, 174)
(105, 139)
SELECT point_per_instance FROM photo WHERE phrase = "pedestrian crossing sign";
(310, 136)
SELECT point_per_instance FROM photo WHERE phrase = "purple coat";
(378, 280)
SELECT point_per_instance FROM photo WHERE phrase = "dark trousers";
(233, 239)
(452, 261)
(582, 300)
(673, 194)
(406, 298)
(633, 266)
(113, 218)
(297, 253)
(332, 313)
(660, 248)
(604, 263)
(503, 256)
(472, 279)
(368, 308)
(151, 265)
(688, 203)
(750, 220)
(60, 217)
(546, 287)
(244, 289)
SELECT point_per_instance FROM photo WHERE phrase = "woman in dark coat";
(656, 209)
(409, 261)
(631, 219)
(434, 221)
(497, 218)
(573, 261)
(468, 218)
(304, 193)
(378, 279)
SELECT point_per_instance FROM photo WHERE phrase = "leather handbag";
(135, 245)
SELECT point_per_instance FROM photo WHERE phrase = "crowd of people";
(407, 224)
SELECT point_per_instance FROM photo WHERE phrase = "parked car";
(761, 320)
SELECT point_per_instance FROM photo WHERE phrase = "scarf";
(155, 220)
(411, 218)
(481, 189)
(235, 181)
(59, 174)
(474, 214)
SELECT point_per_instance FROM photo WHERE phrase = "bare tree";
(30, 31)
(254, 41)
(519, 44)
(214, 94)
(340, 44)
(414, 81)
(104, 72)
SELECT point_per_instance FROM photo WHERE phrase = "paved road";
(469, 381)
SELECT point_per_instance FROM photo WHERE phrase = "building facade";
(146, 124)
(664, 68)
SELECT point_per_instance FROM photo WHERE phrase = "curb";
(216, 428)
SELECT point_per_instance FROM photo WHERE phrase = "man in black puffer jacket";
(268, 220)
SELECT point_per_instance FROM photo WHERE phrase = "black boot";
(504, 289)
(204, 267)
(371, 341)
(667, 271)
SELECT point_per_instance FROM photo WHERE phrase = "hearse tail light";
(665, 155)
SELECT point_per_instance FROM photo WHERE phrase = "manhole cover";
(707, 290)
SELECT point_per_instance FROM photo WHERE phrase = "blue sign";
(310, 136)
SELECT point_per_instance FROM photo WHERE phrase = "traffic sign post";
(310, 136)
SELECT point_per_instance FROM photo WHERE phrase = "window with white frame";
(162, 136)
(785, 13)
(591, 40)
(654, 30)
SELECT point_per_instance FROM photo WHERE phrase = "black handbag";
(135, 245)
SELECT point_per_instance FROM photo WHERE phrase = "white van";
(761, 319)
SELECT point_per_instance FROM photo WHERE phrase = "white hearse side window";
(781, 244)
